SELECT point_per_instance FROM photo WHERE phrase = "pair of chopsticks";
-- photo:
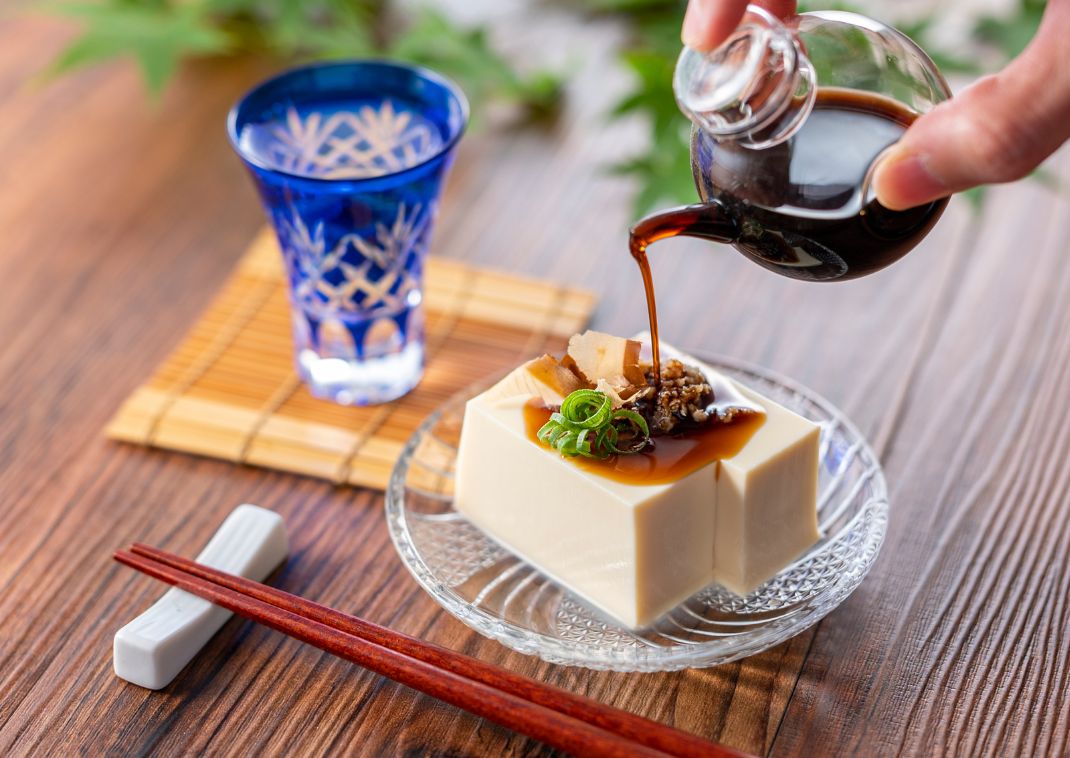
(567, 721)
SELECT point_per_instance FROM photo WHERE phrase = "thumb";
(998, 130)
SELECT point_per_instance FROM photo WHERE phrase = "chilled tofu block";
(637, 550)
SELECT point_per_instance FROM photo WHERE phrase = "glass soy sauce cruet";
(789, 120)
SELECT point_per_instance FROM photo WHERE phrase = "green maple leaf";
(161, 33)
(663, 171)
(466, 55)
(157, 35)
(292, 28)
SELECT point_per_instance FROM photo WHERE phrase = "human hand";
(997, 130)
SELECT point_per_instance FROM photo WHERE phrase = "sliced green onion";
(588, 409)
(640, 431)
(587, 425)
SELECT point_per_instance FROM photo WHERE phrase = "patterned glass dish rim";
(448, 85)
(501, 597)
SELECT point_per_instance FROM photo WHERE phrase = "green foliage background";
(159, 34)
(663, 171)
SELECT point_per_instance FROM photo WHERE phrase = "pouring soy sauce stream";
(789, 121)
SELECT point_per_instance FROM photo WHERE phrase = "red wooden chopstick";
(636, 728)
(557, 717)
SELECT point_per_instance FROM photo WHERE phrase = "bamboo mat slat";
(229, 390)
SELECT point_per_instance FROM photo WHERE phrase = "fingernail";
(904, 180)
(691, 32)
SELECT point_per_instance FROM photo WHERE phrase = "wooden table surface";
(121, 219)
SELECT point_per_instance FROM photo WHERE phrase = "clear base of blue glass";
(361, 382)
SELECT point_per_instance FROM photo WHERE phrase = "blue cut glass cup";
(349, 159)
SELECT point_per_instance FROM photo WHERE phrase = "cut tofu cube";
(637, 551)
(766, 499)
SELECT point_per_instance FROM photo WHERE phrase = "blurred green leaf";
(1047, 178)
(663, 171)
(466, 55)
(632, 6)
(315, 30)
(161, 33)
(664, 177)
(1010, 35)
(975, 196)
(157, 35)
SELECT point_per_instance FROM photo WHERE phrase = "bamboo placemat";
(229, 390)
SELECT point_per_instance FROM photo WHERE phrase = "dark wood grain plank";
(961, 622)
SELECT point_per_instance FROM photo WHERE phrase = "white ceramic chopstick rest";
(154, 647)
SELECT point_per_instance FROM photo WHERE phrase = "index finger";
(707, 23)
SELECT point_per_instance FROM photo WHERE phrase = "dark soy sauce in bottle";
(797, 208)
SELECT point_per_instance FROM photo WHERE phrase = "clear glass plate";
(501, 597)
